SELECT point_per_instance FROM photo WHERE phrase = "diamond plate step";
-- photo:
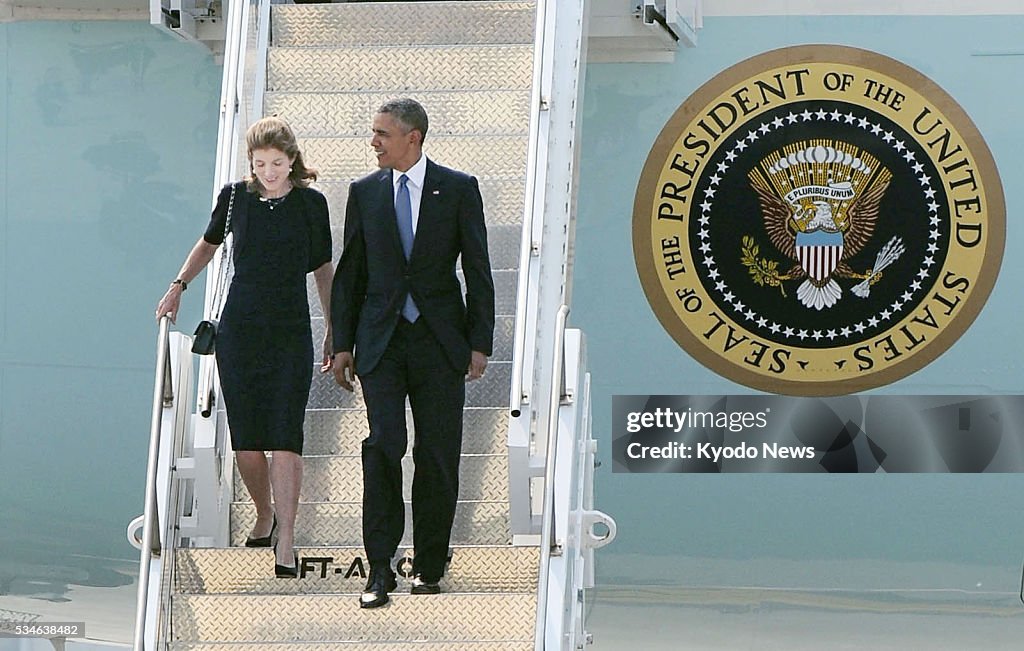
(482, 478)
(404, 23)
(353, 646)
(493, 112)
(487, 157)
(342, 570)
(503, 199)
(341, 431)
(340, 523)
(506, 283)
(408, 69)
(489, 391)
(471, 65)
(328, 618)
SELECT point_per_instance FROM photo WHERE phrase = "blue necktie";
(403, 209)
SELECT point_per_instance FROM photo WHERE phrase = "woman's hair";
(274, 133)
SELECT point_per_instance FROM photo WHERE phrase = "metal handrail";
(547, 535)
(538, 99)
(150, 543)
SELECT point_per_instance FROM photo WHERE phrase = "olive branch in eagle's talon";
(765, 272)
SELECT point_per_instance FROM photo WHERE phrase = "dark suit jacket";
(373, 278)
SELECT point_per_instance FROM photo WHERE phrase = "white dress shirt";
(416, 174)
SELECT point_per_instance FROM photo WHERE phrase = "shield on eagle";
(819, 253)
(819, 202)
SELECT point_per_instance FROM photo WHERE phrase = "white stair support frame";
(209, 471)
(568, 51)
(549, 597)
(560, 614)
(521, 422)
(567, 567)
(168, 427)
(561, 51)
(582, 517)
(567, 537)
(561, 182)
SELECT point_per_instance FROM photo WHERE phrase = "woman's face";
(271, 167)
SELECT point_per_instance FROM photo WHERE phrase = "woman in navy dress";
(264, 354)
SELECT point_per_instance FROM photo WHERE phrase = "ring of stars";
(890, 312)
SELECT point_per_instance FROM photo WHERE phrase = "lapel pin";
(437, 192)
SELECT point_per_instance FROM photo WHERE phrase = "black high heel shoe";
(283, 571)
(265, 541)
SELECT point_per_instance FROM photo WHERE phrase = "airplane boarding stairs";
(328, 67)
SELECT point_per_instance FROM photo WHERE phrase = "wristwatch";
(179, 281)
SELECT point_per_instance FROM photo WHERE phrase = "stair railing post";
(150, 539)
(549, 546)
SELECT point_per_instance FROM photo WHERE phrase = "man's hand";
(477, 365)
(344, 367)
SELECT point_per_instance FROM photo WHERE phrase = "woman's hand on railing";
(169, 304)
(200, 256)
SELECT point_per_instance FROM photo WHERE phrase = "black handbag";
(204, 339)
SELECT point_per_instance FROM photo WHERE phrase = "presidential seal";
(818, 220)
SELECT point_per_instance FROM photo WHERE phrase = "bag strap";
(225, 259)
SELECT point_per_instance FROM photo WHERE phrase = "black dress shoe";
(378, 585)
(284, 571)
(265, 541)
(422, 586)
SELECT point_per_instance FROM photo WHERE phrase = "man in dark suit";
(398, 306)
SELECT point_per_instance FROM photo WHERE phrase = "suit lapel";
(432, 191)
(387, 201)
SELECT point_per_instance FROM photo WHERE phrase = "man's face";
(395, 147)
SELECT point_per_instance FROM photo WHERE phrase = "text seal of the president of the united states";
(818, 220)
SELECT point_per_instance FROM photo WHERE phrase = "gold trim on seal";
(812, 191)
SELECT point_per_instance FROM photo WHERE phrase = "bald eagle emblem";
(819, 202)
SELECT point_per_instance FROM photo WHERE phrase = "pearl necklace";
(273, 202)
